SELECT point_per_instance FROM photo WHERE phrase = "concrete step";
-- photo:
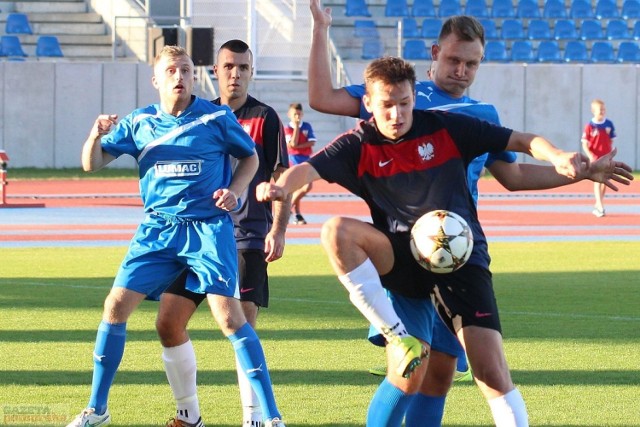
(88, 17)
(71, 6)
(60, 28)
(76, 51)
(71, 39)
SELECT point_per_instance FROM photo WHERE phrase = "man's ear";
(215, 70)
(366, 101)
(154, 82)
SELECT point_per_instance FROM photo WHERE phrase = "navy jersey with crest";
(182, 160)
(431, 97)
(261, 122)
(423, 171)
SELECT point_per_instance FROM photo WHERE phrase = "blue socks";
(251, 358)
(388, 406)
(107, 355)
(425, 411)
(463, 364)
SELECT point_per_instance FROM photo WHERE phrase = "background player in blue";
(458, 55)
(183, 147)
(425, 154)
(259, 233)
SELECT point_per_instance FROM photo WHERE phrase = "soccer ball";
(441, 241)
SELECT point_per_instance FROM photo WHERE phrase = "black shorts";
(462, 298)
(254, 281)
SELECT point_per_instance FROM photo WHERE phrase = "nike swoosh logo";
(383, 164)
(479, 314)
(245, 290)
(98, 358)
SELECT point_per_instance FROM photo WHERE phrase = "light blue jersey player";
(183, 147)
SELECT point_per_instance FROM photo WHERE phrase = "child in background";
(597, 141)
(300, 140)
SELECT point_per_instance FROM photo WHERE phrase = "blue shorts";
(296, 159)
(420, 319)
(164, 246)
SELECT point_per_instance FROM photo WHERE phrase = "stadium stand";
(477, 8)
(449, 8)
(415, 49)
(522, 51)
(398, 8)
(630, 9)
(628, 51)
(495, 51)
(49, 47)
(430, 28)
(581, 9)
(502, 9)
(554, 9)
(528, 9)
(591, 29)
(606, 9)
(549, 51)
(410, 28)
(512, 29)
(602, 51)
(17, 23)
(539, 29)
(357, 8)
(617, 30)
(423, 8)
(565, 29)
(576, 51)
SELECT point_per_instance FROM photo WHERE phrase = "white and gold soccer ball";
(441, 241)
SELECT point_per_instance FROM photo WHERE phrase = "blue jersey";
(430, 97)
(182, 160)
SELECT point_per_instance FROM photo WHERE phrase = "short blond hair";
(171, 51)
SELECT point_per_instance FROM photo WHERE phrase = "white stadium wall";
(48, 108)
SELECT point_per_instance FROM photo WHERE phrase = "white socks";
(367, 295)
(251, 411)
(180, 367)
(509, 410)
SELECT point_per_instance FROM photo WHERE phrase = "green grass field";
(569, 312)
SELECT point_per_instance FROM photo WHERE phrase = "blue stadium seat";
(576, 51)
(591, 29)
(423, 8)
(617, 30)
(522, 51)
(512, 29)
(477, 8)
(602, 51)
(357, 8)
(555, 9)
(628, 52)
(495, 51)
(449, 8)
(565, 29)
(415, 49)
(372, 49)
(581, 9)
(48, 46)
(502, 9)
(430, 28)
(410, 28)
(539, 30)
(17, 23)
(11, 47)
(490, 30)
(528, 9)
(606, 9)
(396, 8)
(630, 9)
(365, 29)
(549, 51)
(636, 31)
